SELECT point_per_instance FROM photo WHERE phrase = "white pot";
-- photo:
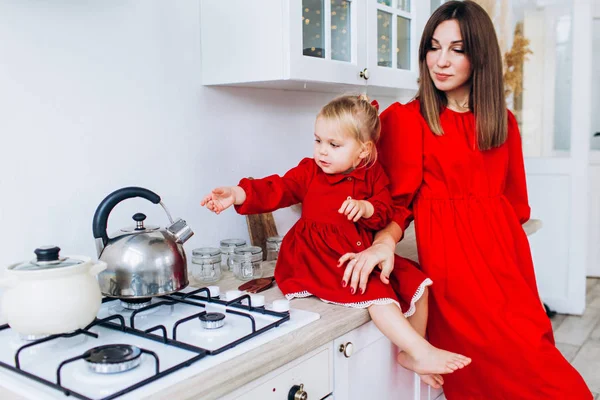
(53, 300)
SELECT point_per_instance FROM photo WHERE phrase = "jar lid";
(204, 252)
(247, 250)
(274, 239)
(232, 242)
(247, 253)
(204, 255)
(47, 257)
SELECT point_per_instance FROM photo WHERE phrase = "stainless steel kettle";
(142, 261)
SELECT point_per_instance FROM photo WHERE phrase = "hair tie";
(375, 104)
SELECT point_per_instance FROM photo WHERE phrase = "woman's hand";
(360, 265)
(219, 199)
(356, 209)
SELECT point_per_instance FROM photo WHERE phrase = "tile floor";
(578, 338)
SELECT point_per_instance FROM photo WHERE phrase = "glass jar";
(227, 247)
(206, 264)
(273, 245)
(246, 262)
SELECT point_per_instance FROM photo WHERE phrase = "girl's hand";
(356, 209)
(360, 265)
(219, 199)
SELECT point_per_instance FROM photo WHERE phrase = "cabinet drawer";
(314, 371)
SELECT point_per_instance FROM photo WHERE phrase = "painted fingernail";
(344, 283)
(362, 291)
(352, 290)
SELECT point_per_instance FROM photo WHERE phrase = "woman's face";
(449, 67)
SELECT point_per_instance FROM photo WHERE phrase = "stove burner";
(113, 358)
(212, 320)
(136, 304)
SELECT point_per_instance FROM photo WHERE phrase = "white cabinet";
(312, 44)
(365, 367)
(312, 374)
(356, 366)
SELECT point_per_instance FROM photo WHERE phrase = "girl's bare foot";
(435, 381)
(430, 360)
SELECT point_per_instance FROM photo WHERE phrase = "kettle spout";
(180, 230)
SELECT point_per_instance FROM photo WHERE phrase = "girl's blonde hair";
(357, 116)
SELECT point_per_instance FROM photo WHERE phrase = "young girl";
(345, 198)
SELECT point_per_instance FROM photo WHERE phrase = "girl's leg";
(419, 319)
(417, 354)
(419, 322)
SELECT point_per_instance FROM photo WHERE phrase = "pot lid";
(139, 225)
(47, 257)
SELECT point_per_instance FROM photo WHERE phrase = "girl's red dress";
(468, 209)
(309, 253)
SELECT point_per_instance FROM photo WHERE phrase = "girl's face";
(336, 151)
(449, 67)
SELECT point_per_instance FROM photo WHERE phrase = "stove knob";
(258, 300)
(214, 291)
(347, 349)
(281, 305)
(297, 393)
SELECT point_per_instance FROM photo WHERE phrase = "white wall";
(98, 95)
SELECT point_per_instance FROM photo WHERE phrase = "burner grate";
(117, 322)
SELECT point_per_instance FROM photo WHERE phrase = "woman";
(454, 154)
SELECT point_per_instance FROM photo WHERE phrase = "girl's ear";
(367, 148)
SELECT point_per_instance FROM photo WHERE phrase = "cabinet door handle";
(297, 393)
(365, 74)
(347, 349)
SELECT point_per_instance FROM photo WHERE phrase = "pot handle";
(8, 282)
(97, 268)
(100, 221)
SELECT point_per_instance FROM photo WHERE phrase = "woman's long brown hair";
(480, 44)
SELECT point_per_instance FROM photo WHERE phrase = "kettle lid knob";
(139, 221)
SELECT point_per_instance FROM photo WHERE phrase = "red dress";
(468, 209)
(309, 253)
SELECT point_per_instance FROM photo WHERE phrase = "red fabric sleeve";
(381, 200)
(515, 188)
(400, 150)
(275, 192)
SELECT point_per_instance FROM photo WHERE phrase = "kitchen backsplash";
(100, 95)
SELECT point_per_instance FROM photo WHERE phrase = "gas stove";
(134, 349)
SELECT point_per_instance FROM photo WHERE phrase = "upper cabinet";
(324, 45)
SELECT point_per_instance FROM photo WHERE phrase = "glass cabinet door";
(394, 23)
(327, 27)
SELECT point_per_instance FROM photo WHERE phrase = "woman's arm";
(515, 188)
(400, 150)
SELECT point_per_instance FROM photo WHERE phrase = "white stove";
(124, 353)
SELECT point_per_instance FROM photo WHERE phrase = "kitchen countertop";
(334, 322)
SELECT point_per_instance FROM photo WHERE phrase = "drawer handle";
(297, 393)
(347, 349)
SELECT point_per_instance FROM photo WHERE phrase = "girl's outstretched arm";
(221, 198)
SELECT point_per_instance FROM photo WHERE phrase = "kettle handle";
(102, 212)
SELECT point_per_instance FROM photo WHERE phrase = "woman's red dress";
(468, 209)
